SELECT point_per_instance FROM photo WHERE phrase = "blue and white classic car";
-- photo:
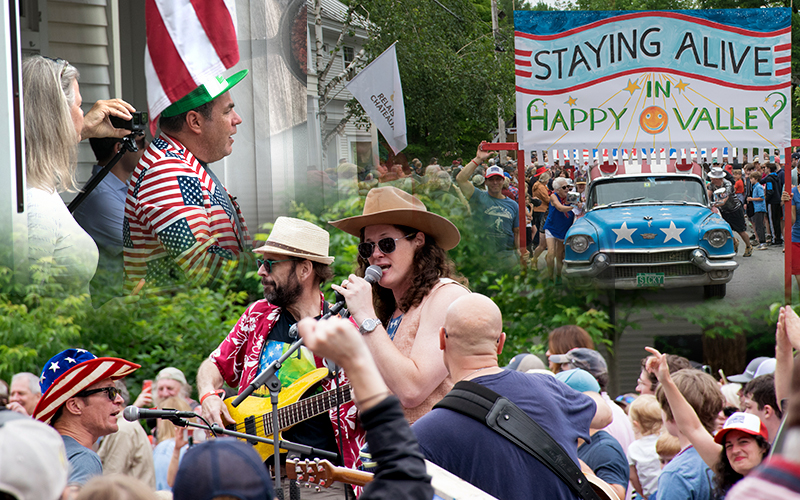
(650, 230)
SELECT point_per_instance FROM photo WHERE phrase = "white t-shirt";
(54, 233)
(642, 455)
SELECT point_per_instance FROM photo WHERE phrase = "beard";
(283, 295)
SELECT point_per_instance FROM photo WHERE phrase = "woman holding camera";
(559, 219)
(54, 125)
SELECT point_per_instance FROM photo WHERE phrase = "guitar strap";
(508, 420)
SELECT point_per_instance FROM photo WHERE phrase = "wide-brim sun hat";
(72, 371)
(745, 422)
(203, 94)
(393, 206)
(298, 238)
(716, 173)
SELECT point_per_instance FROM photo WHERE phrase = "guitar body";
(602, 488)
(254, 411)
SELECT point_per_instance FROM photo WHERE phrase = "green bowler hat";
(203, 94)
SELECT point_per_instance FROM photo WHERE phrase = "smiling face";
(743, 451)
(494, 186)
(397, 266)
(21, 393)
(166, 388)
(653, 120)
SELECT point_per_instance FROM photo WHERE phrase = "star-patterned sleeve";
(177, 218)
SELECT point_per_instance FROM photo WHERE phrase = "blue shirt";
(796, 225)
(501, 216)
(758, 192)
(604, 455)
(84, 464)
(686, 477)
(162, 456)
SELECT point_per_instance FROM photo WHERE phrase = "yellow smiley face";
(653, 120)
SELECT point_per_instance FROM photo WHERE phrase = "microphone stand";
(269, 378)
(128, 144)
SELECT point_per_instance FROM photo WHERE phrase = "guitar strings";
(265, 421)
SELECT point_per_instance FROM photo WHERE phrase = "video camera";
(137, 123)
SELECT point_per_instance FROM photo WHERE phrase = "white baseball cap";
(33, 461)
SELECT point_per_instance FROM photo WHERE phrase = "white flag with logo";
(377, 88)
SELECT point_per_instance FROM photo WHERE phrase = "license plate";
(649, 279)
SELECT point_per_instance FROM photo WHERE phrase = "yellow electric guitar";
(254, 415)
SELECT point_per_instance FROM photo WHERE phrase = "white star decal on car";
(672, 232)
(623, 233)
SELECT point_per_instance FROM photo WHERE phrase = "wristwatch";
(369, 325)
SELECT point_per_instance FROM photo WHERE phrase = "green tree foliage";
(453, 78)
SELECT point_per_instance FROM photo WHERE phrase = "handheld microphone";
(132, 414)
(373, 274)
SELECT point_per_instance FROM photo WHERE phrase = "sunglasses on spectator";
(269, 263)
(61, 62)
(111, 392)
(386, 245)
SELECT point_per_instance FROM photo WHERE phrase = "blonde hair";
(51, 151)
(731, 394)
(646, 411)
(116, 487)
(667, 445)
(164, 428)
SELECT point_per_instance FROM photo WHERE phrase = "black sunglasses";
(111, 392)
(269, 263)
(386, 245)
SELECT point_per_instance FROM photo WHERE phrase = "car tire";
(714, 291)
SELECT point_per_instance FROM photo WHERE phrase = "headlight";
(716, 237)
(579, 242)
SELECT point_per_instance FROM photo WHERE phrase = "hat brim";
(444, 232)
(719, 437)
(200, 96)
(493, 175)
(742, 378)
(78, 378)
(270, 247)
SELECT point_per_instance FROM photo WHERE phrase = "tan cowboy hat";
(298, 238)
(390, 205)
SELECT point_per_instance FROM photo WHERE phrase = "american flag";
(189, 42)
(178, 226)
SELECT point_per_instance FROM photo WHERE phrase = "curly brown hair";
(430, 263)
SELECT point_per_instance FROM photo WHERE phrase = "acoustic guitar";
(323, 474)
(254, 415)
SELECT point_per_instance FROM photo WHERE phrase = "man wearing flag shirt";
(80, 401)
(500, 214)
(181, 225)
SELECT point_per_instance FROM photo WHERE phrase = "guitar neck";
(307, 408)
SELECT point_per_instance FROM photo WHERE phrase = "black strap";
(507, 419)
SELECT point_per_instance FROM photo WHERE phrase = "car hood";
(649, 225)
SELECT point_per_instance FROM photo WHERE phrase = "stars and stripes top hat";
(72, 371)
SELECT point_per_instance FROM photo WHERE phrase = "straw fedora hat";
(298, 238)
(390, 205)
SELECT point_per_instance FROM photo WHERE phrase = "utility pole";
(501, 124)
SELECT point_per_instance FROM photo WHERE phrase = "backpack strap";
(507, 419)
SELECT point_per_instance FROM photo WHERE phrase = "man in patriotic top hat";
(181, 225)
(80, 401)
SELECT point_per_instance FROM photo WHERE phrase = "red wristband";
(219, 393)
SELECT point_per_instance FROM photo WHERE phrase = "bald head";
(473, 324)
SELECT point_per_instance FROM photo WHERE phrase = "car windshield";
(648, 190)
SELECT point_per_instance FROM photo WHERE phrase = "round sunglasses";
(386, 245)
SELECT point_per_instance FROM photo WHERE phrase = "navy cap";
(222, 466)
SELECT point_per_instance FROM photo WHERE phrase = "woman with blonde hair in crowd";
(54, 125)
(172, 443)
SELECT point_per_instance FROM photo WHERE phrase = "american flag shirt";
(179, 225)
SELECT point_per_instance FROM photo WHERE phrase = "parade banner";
(653, 79)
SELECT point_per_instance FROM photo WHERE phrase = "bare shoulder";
(444, 295)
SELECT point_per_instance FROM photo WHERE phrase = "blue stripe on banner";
(552, 23)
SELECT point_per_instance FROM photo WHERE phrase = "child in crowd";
(645, 415)
(667, 446)
(738, 186)
(759, 209)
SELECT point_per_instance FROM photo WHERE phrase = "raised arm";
(787, 338)
(685, 417)
(464, 177)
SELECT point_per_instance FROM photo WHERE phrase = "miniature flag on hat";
(189, 43)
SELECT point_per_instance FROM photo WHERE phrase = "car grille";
(623, 272)
(618, 258)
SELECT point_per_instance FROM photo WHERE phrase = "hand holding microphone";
(357, 293)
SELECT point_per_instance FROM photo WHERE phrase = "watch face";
(369, 325)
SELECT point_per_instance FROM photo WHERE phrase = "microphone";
(372, 275)
(132, 414)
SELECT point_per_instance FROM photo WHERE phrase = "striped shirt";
(179, 225)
